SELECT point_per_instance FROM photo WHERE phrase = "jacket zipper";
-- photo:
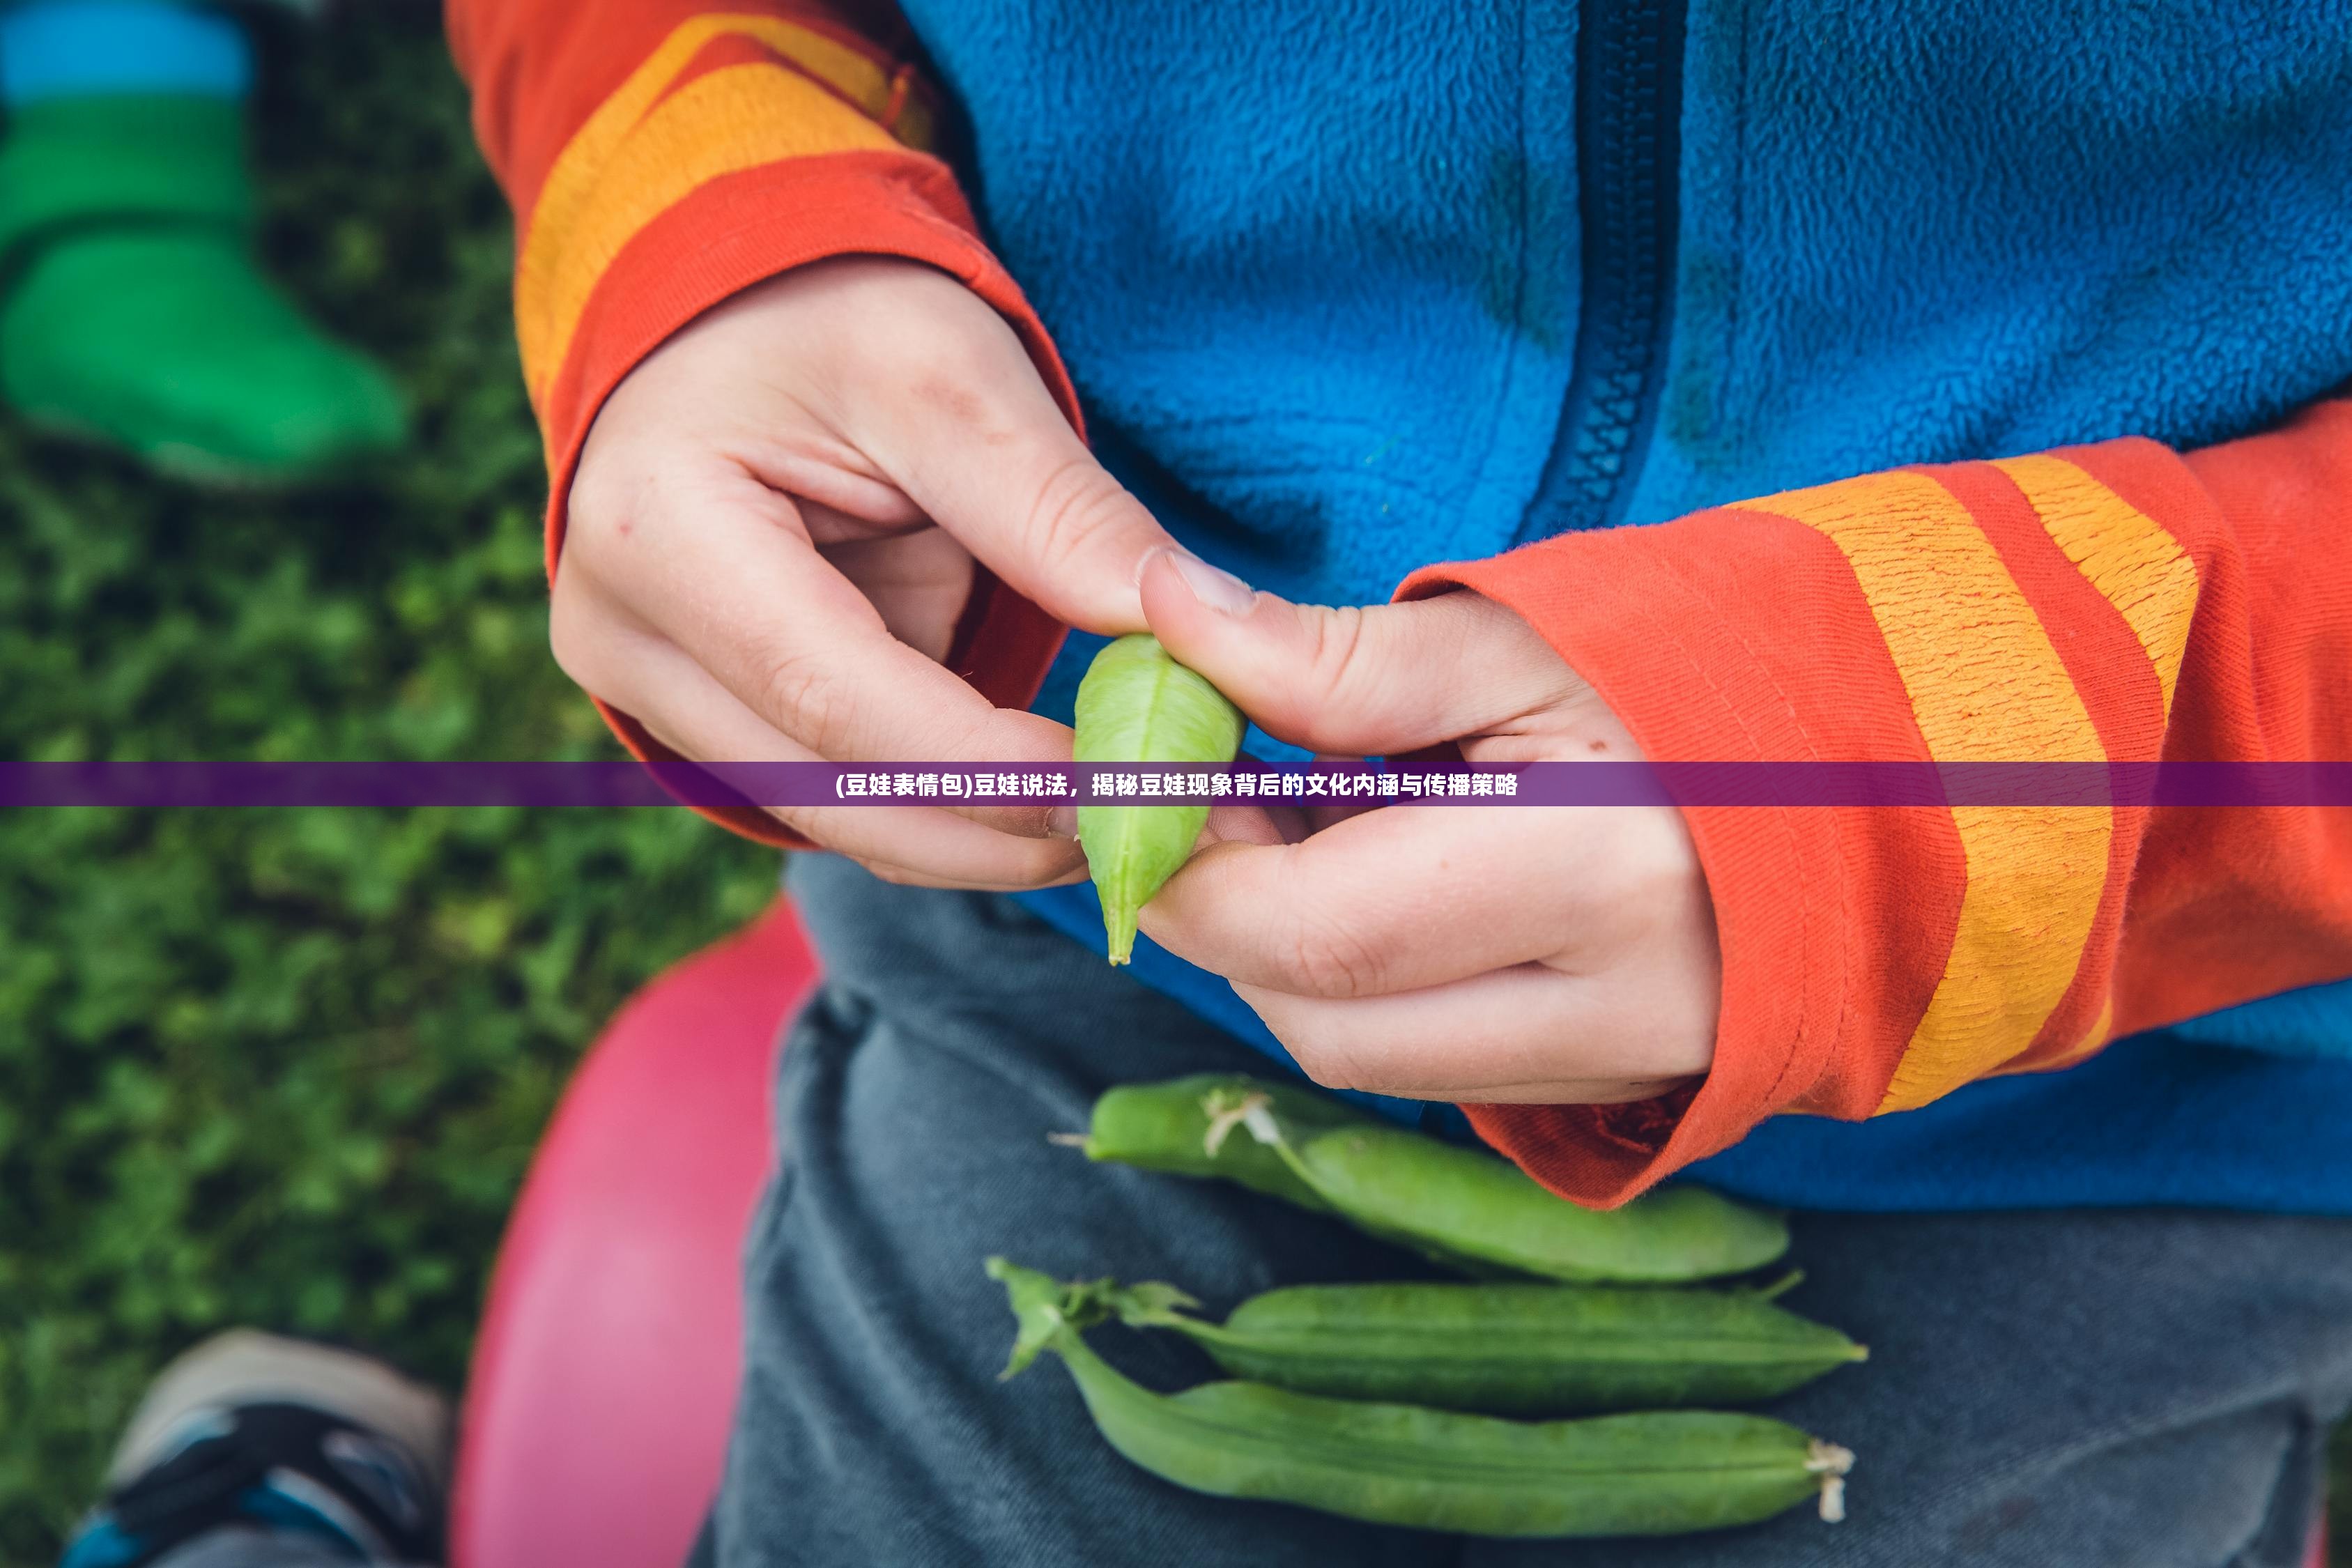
(1628, 62)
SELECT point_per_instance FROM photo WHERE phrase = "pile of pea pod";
(1438, 1406)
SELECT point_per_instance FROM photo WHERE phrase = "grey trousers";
(2046, 1390)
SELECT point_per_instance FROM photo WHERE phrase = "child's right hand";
(772, 535)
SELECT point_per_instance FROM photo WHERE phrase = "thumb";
(980, 446)
(1359, 680)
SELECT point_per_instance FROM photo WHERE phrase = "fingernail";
(1062, 822)
(1220, 591)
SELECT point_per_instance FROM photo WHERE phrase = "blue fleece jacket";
(1425, 282)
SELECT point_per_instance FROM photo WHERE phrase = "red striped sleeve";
(2115, 603)
(662, 156)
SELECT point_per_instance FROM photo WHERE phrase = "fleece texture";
(1357, 228)
(1361, 248)
(1989, 307)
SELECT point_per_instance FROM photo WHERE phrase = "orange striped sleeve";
(662, 156)
(2118, 603)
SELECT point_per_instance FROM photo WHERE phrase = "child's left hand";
(1495, 954)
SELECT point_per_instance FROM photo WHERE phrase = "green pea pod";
(1137, 705)
(1423, 1192)
(1508, 1350)
(1660, 1473)
(1175, 1126)
(1190, 1127)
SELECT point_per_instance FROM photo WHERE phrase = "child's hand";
(1499, 955)
(773, 532)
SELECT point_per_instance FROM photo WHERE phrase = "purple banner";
(170, 785)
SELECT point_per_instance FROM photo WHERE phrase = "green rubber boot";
(134, 311)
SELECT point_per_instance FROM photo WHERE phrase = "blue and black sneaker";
(251, 1448)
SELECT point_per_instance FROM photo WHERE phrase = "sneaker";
(249, 1432)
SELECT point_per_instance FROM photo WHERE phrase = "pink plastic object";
(596, 1416)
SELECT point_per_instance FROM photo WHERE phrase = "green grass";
(286, 1068)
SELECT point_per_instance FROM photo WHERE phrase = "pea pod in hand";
(1507, 1349)
(1139, 705)
(1661, 1473)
